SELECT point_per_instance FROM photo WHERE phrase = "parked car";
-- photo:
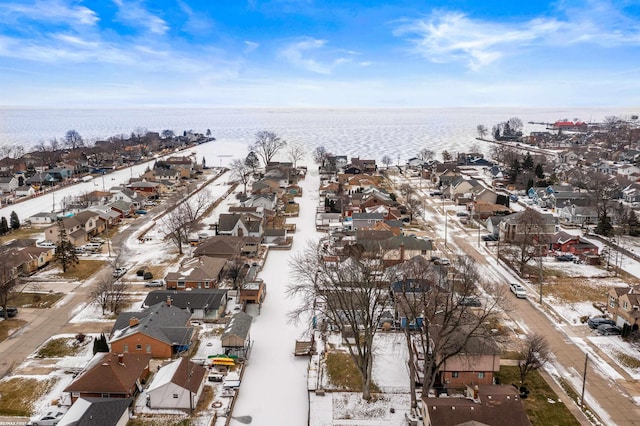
(518, 290)
(598, 321)
(470, 301)
(441, 261)
(48, 419)
(435, 193)
(140, 272)
(609, 330)
(11, 312)
(140, 211)
(155, 283)
(147, 275)
(564, 258)
(489, 237)
(118, 272)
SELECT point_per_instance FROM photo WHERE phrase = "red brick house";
(574, 244)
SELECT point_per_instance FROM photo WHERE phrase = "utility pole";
(584, 380)
(445, 221)
(540, 270)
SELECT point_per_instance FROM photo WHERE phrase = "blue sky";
(306, 53)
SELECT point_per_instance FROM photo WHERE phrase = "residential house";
(161, 331)
(25, 191)
(97, 412)
(183, 162)
(482, 210)
(253, 289)
(578, 215)
(79, 228)
(265, 201)
(60, 174)
(43, 218)
(367, 166)
(27, 259)
(396, 248)
(240, 225)
(574, 244)
(275, 236)
(200, 272)
(528, 223)
(40, 179)
(236, 338)
(8, 184)
(475, 364)
(624, 304)
(203, 304)
(144, 188)
(127, 195)
(365, 220)
(123, 208)
(227, 247)
(177, 385)
(111, 375)
(495, 405)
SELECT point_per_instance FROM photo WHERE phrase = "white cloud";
(298, 54)
(447, 36)
(134, 14)
(250, 46)
(52, 11)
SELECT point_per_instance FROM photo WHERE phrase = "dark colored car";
(564, 258)
(609, 330)
(489, 237)
(147, 275)
(470, 301)
(140, 212)
(11, 312)
(598, 321)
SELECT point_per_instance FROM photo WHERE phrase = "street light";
(445, 221)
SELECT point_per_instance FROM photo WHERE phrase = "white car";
(155, 283)
(118, 272)
(518, 290)
(48, 419)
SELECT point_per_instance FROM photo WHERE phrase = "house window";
(148, 349)
(125, 348)
(206, 284)
(455, 374)
(481, 375)
(175, 396)
(181, 284)
(138, 347)
(625, 305)
(105, 395)
(199, 284)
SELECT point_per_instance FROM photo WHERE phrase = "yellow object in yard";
(223, 361)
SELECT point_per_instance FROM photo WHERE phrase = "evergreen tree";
(15, 222)
(204, 163)
(515, 170)
(527, 163)
(633, 223)
(539, 171)
(529, 183)
(65, 250)
(100, 344)
(604, 226)
(4, 226)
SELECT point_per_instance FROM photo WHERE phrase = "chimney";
(133, 321)
(169, 300)
(121, 359)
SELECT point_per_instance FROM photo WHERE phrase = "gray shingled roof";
(239, 325)
(193, 299)
(163, 322)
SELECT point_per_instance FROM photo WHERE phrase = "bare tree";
(426, 154)
(8, 281)
(435, 305)
(350, 295)
(446, 156)
(296, 152)
(320, 155)
(527, 238)
(241, 171)
(386, 160)
(482, 131)
(234, 270)
(267, 145)
(101, 292)
(73, 140)
(181, 218)
(533, 355)
(406, 190)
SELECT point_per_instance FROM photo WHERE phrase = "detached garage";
(177, 385)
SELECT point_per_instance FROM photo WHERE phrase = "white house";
(43, 218)
(8, 184)
(177, 385)
(25, 191)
